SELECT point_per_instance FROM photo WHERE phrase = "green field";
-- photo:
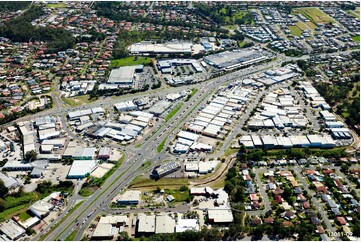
(173, 112)
(315, 15)
(56, 5)
(310, 24)
(76, 101)
(295, 30)
(356, 38)
(130, 61)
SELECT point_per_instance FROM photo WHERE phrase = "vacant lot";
(295, 30)
(130, 61)
(163, 183)
(315, 15)
(76, 101)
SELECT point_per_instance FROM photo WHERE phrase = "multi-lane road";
(135, 157)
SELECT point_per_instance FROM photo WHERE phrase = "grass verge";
(173, 112)
(161, 145)
(72, 235)
(90, 187)
(62, 220)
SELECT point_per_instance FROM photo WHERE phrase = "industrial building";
(43, 207)
(213, 120)
(104, 153)
(166, 169)
(9, 181)
(153, 48)
(109, 226)
(81, 168)
(124, 76)
(229, 60)
(165, 66)
(272, 142)
(146, 224)
(220, 215)
(278, 110)
(130, 198)
(278, 75)
(164, 224)
(11, 229)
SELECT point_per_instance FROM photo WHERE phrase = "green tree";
(3, 189)
(31, 155)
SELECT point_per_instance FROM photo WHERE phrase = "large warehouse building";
(229, 60)
(124, 76)
(152, 48)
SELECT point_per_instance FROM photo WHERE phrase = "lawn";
(356, 38)
(173, 112)
(295, 30)
(130, 61)
(315, 15)
(163, 183)
(24, 216)
(78, 100)
(161, 145)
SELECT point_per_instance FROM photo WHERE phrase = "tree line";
(20, 29)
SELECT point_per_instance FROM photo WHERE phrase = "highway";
(120, 179)
(99, 201)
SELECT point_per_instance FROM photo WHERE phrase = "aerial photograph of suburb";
(179, 120)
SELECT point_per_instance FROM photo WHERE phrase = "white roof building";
(164, 224)
(220, 215)
(11, 229)
(186, 224)
(146, 223)
(81, 168)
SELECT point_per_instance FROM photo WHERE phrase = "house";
(306, 205)
(253, 197)
(315, 221)
(320, 229)
(271, 186)
(256, 221)
(341, 220)
(301, 198)
(278, 191)
(287, 224)
(289, 215)
(268, 220)
(278, 199)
